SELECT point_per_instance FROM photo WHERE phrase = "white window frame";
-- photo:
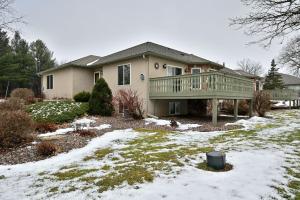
(52, 82)
(97, 72)
(173, 66)
(129, 64)
(177, 112)
(200, 85)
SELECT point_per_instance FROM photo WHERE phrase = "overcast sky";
(76, 28)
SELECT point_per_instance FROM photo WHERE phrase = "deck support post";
(251, 108)
(215, 111)
(236, 109)
(290, 104)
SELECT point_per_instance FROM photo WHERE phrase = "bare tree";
(290, 55)
(8, 15)
(270, 19)
(250, 66)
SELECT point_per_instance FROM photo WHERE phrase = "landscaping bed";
(69, 141)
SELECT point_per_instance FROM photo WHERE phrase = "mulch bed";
(67, 142)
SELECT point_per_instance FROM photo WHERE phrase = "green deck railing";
(201, 86)
(283, 94)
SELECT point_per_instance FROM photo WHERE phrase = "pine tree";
(273, 80)
(43, 58)
(100, 102)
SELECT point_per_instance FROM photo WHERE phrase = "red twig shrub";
(47, 148)
(16, 128)
(45, 127)
(262, 103)
(23, 93)
(12, 104)
(130, 101)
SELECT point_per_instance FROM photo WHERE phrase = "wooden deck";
(284, 94)
(208, 85)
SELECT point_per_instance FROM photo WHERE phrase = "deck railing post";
(236, 109)
(251, 108)
(214, 111)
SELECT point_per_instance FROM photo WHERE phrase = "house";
(169, 81)
(291, 82)
(257, 80)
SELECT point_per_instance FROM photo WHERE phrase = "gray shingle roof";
(86, 61)
(289, 79)
(156, 49)
(246, 74)
(228, 71)
(144, 48)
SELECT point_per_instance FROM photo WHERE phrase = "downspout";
(148, 85)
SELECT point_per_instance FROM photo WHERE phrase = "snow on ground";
(259, 153)
(162, 122)
(280, 104)
(250, 179)
(2, 100)
(83, 123)
(252, 122)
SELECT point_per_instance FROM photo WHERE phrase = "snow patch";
(93, 62)
(163, 122)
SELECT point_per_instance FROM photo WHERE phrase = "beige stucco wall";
(138, 66)
(62, 84)
(67, 82)
(83, 80)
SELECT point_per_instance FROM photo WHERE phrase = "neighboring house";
(257, 80)
(170, 82)
(291, 82)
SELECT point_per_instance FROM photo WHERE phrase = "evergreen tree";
(43, 58)
(273, 79)
(100, 102)
(42, 55)
(4, 43)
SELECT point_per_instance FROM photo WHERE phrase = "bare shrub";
(44, 127)
(243, 107)
(129, 100)
(16, 128)
(86, 133)
(262, 103)
(47, 148)
(12, 104)
(23, 93)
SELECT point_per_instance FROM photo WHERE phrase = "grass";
(130, 174)
(56, 111)
(72, 174)
(99, 154)
(232, 134)
(204, 166)
(2, 177)
(137, 162)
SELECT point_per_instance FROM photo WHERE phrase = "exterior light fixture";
(142, 77)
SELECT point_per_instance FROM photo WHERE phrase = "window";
(174, 108)
(124, 74)
(50, 82)
(122, 108)
(96, 76)
(174, 71)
